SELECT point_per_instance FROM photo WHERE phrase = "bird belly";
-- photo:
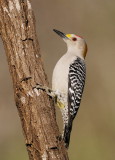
(60, 74)
(60, 78)
(60, 84)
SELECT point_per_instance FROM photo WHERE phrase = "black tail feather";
(67, 133)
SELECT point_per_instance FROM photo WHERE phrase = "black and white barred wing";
(77, 72)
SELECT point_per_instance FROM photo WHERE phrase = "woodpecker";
(68, 80)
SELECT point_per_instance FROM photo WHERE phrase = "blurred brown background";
(93, 135)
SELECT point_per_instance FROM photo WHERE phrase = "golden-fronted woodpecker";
(68, 80)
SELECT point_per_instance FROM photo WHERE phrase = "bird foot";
(46, 89)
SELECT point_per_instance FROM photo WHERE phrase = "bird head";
(76, 45)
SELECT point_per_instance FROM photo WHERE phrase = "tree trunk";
(36, 109)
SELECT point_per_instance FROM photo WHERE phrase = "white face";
(74, 41)
(75, 44)
(73, 37)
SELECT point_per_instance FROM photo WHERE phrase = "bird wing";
(77, 73)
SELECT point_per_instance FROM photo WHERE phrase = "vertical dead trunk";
(36, 110)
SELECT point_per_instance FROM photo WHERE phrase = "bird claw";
(49, 91)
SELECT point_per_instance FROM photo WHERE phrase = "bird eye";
(74, 39)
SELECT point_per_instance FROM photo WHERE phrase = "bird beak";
(61, 34)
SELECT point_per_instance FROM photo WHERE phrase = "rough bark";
(35, 108)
